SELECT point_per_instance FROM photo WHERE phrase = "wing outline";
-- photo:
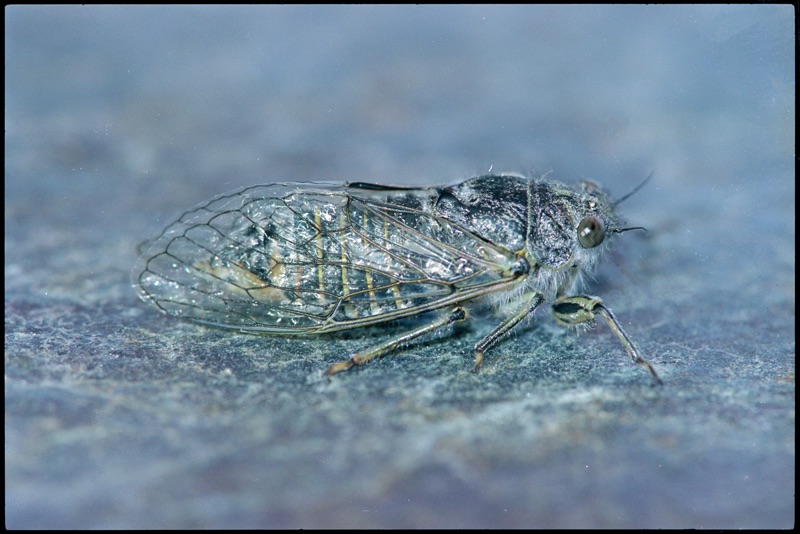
(313, 258)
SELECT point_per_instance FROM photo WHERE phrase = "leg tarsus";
(340, 366)
(478, 362)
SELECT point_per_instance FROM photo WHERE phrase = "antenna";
(635, 189)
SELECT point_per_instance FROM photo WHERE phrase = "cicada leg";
(456, 314)
(484, 344)
(582, 309)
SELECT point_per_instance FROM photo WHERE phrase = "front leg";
(582, 309)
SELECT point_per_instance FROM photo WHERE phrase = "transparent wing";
(303, 258)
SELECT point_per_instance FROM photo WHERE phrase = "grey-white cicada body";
(301, 259)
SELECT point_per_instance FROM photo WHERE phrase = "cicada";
(315, 258)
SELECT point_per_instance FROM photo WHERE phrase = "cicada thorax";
(494, 207)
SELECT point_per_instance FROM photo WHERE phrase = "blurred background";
(118, 118)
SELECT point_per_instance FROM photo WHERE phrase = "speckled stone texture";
(118, 118)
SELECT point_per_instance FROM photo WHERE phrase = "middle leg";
(483, 345)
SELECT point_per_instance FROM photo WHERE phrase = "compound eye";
(591, 232)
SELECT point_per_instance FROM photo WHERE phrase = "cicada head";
(570, 226)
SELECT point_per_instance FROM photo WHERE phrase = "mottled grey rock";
(118, 118)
